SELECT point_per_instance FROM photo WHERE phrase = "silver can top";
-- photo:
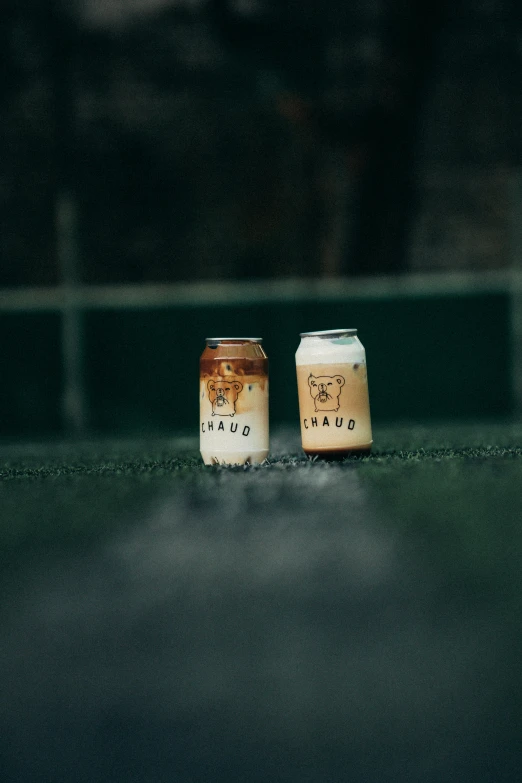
(330, 333)
(209, 340)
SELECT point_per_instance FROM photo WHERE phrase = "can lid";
(330, 333)
(233, 339)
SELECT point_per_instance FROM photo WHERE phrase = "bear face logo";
(223, 396)
(325, 390)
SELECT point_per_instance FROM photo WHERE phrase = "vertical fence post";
(74, 415)
(513, 29)
(516, 285)
(62, 32)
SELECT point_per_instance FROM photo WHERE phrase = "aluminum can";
(332, 384)
(233, 396)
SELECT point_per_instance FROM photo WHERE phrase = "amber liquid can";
(332, 384)
(233, 397)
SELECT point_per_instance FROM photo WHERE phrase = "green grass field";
(295, 621)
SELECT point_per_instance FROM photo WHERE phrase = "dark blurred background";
(168, 142)
(256, 138)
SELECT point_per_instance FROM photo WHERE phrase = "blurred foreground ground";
(162, 621)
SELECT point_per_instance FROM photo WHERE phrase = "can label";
(334, 406)
(223, 394)
(234, 414)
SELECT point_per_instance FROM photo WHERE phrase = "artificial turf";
(296, 621)
(63, 493)
(24, 459)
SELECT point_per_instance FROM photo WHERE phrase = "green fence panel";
(32, 377)
(428, 357)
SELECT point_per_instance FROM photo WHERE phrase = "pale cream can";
(332, 384)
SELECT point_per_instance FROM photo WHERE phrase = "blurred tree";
(388, 134)
(240, 138)
(374, 134)
(26, 166)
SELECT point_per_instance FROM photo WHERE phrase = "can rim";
(233, 339)
(330, 333)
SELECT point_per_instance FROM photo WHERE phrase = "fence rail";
(112, 358)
